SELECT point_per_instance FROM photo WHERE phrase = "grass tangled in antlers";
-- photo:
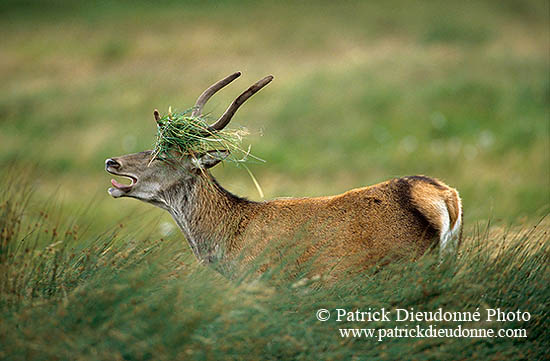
(183, 134)
(180, 134)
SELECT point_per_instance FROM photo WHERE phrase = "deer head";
(150, 178)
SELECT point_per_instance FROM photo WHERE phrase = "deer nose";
(112, 163)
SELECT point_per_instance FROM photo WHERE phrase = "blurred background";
(363, 91)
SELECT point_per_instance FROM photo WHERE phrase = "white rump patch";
(444, 226)
(448, 238)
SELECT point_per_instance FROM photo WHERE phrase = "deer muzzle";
(118, 190)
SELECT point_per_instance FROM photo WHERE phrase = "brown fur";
(336, 234)
(425, 195)
(331, 235)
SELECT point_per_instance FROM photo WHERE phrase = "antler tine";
(156, 114)
(207, 94)
(226, 117)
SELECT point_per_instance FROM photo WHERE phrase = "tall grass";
(67, 294)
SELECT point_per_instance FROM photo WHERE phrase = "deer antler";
(207, 94)
(156, 114)
(226, 117)
(228, 114)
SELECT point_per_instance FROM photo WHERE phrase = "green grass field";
(363, 92)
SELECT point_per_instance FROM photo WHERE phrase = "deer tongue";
(120, 185)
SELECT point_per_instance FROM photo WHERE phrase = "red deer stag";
(336, 233)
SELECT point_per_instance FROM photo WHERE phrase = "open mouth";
(124, 187)
(119, 189)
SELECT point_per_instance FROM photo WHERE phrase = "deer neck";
(208, 215)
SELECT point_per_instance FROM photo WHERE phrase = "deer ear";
(210, 158)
